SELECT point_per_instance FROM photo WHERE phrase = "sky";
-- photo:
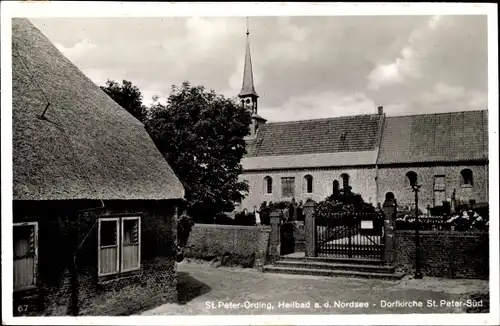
(304, 67)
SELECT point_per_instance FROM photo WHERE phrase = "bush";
(458, 222)
(184, 227)
(444, 210)
(244, 219)
(345, 202)
(223, 219)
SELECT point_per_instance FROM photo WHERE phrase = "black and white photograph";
(249, 163)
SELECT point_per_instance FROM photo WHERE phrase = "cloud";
(304, 67)
(78, 51)
(445, 95)
(441, 97)
(406, 64)
(320, 105)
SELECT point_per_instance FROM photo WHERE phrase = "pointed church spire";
(248, 88)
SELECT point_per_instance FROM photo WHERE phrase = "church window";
(411, 178)
(336, 187)
(308, 179)
(467, 179)
(288, 186)
(268, 185)
(345, 180)
(439, 190)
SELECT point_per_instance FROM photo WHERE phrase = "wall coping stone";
(449, 232)
(234, 227)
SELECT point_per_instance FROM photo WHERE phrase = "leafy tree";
(201, 134)
(127, 96)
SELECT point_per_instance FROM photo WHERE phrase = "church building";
(445, 153)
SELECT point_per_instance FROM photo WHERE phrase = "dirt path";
(219, 291)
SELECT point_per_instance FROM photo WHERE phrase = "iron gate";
(347, 235)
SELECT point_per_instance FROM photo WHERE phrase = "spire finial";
(248, 88)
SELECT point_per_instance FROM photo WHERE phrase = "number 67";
(22, 308)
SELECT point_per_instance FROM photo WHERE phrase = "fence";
(350, 235)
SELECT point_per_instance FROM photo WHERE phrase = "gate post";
(275, 242)
(389, 208)
(310, 228)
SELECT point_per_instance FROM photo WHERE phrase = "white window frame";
(119, 244)
(130, 218)
(35, 263)
(107, 219)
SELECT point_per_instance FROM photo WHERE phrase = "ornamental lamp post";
(418, 274)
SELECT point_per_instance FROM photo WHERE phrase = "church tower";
(248, 95)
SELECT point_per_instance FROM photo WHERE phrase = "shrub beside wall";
(229, 245)
(450, 254)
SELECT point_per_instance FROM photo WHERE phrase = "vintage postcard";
(249, 163)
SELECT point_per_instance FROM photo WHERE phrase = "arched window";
(308, 179)
(411, 178)
(268, 185)
(467, 179)
(345, 180)
(335, 190)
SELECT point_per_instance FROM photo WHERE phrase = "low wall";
(450, 254)
(229, 245)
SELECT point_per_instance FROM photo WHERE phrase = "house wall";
(362, 180)
(393, 179)
(60, 233)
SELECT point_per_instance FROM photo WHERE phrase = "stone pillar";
(389, 208)
(275, 241)
(309, 228)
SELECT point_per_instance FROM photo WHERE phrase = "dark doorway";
(287, 239)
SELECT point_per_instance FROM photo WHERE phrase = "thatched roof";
(88, 147)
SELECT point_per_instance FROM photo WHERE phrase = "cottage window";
(131, 255)
(467, 180)
(287, 186)
(411, 178)
(119, 245)
(308, 183)
(345, 181)
(25, 236)
(268, 185)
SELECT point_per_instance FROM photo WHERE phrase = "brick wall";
(444, 253)
(154, 284)
(362, 180)
(393, 180)
(231, 245)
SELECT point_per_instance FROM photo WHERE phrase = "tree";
(127, 96)
(201, 134)
(346, 201)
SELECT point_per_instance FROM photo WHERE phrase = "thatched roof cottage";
(94, 201)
